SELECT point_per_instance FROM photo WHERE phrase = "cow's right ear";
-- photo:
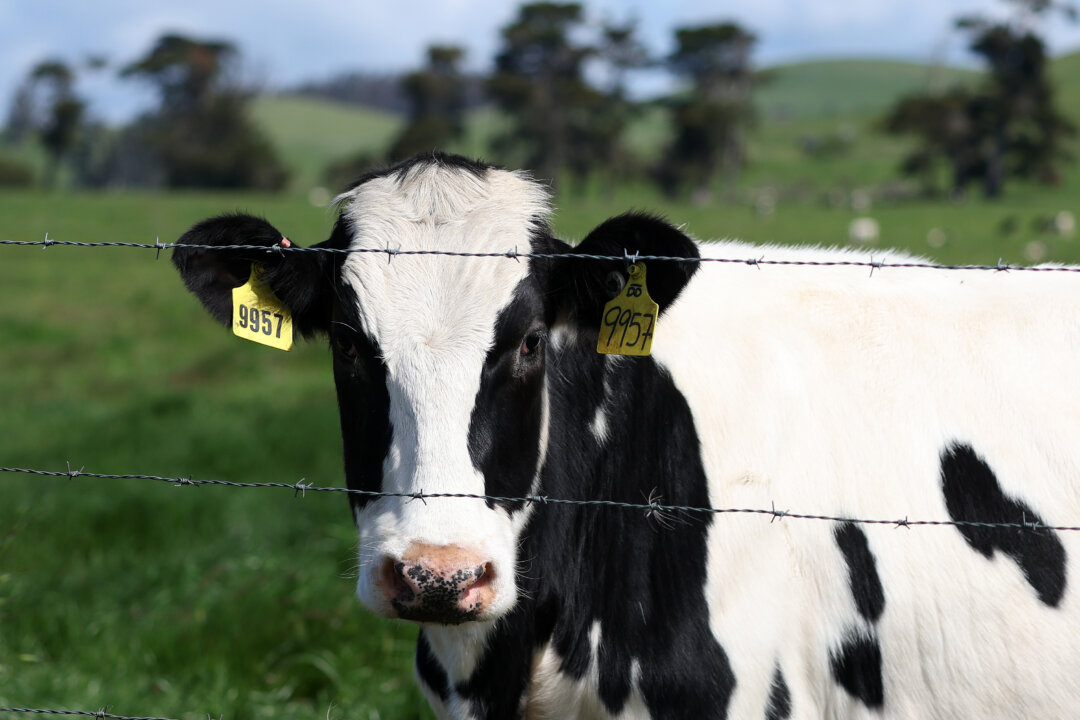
(303, 281)
(583, 285)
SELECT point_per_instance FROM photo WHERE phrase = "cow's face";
(440, 363)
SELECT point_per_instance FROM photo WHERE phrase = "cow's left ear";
(303, 281)
(583, 286)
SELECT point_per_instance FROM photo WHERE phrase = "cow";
(809, 385)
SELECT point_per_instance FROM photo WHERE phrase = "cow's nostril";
(483, 576)
(395, 584)
(478, 592)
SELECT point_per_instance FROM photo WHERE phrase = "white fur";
(433, 319)
(599, 425)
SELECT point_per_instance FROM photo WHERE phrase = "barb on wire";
(648, 508)
(158, 246)
(85, 713)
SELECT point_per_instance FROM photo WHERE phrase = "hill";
(1065, 70)
(837, 88)
(311, 133)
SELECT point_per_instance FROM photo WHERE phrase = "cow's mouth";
(435, 612)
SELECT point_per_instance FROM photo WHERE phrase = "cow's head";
(439, 362)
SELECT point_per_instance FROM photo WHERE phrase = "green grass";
(311, 133)
(144, 597)
(1065, 71)
(839, 88)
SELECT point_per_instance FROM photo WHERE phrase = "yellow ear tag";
(259, 316)
(629, 320)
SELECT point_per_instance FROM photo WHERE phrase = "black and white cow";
(830, 390)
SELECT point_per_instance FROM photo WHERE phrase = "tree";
(46, 105)
(200, 133)
(65, 112)
(436, 104)
(1007, 127)
(539, 82)
(943, 124)
(619, 52)
(710, 123)
(21, 117)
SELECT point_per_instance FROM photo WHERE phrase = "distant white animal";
(863, 230)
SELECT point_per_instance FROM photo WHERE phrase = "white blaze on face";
(433, 319)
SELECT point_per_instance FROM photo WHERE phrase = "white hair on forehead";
(432, 300)
(431, 191)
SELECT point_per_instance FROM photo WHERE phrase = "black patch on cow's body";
(862, 571)
(779, 706)
(363, 401)
(507, 418)
(972, 494)
(856, 666)
(644, 584)
(429, 669)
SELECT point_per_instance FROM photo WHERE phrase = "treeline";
(381, 91)
(198, 136)
(561, 83)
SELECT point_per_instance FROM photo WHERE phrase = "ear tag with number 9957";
(258, 314)
(629, 320)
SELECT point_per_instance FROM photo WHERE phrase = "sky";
(284, 43)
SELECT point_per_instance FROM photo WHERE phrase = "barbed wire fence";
(101, 714)
(514, 254)
(652, 508)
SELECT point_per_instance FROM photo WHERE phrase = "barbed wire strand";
(514, 254)
(86, 713)
(651, 509)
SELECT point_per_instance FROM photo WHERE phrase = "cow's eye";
(532, 343)
(345, 349)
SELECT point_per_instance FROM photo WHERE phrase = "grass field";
(150, 599)
(157, 600)
(311, 133)
(839, 88)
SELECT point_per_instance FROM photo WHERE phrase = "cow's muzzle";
(437, 584)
